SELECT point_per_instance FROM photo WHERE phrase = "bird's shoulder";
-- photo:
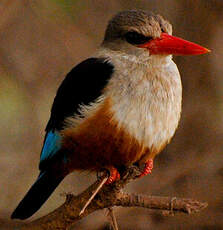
(82, 85)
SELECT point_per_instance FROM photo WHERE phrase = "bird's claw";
(147, 168)
(114, 175)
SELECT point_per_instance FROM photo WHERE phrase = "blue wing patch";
(51, 146)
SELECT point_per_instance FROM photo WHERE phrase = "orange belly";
(98, 143)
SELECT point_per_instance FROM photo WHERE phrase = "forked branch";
(110, 196)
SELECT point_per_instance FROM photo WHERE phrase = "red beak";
(168, 44)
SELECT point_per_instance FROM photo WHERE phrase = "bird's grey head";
(129, 29)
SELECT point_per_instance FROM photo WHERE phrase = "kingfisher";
(119, 107)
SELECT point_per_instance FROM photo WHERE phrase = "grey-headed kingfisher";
(117, 108)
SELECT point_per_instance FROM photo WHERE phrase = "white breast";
(146, 99)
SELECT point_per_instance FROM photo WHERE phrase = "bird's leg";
(112, 172)
(113, 175)
(147, 168)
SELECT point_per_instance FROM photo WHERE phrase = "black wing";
(82, 85)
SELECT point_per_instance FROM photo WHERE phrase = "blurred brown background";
(40, 41)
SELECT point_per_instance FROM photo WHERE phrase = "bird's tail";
(37, 195)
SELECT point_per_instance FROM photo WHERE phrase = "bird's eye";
(135, 38)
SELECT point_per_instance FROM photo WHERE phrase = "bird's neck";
(133, 59)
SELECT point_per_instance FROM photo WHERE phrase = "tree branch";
(109, 196)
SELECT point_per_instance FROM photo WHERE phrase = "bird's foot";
(114, 175)
(147, 168)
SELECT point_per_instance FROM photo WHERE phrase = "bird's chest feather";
(147, 103)
(136, 117)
